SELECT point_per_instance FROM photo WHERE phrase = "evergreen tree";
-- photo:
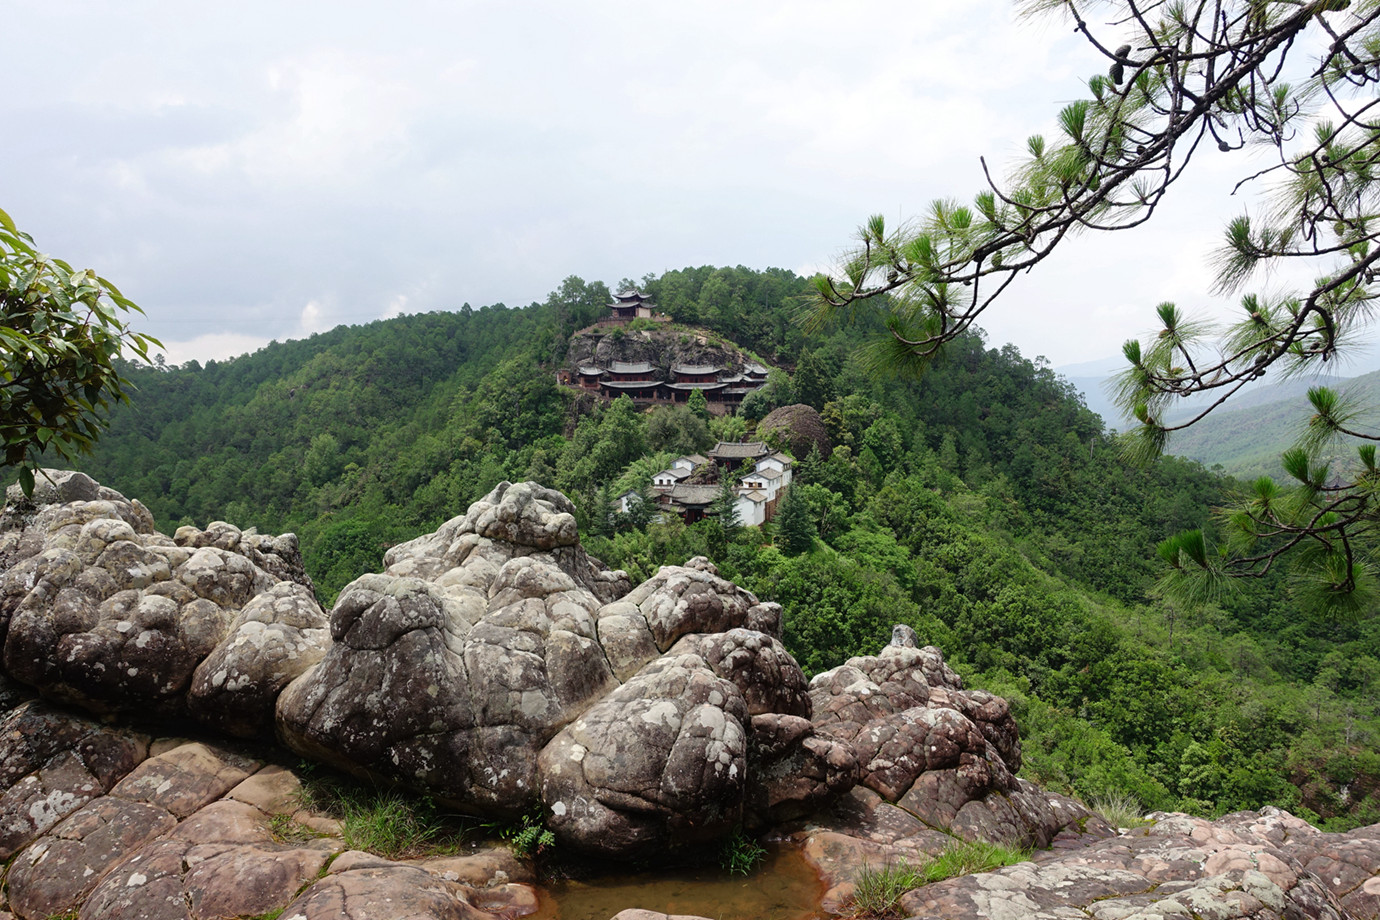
(699, 405)
(1184, 77)
(794, 532)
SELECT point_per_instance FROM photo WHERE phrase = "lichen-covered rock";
(945, 754)
(271, 641)
(1243, 866)
(454, 667)
(101, 611)
(52, 765)
(660, 763)
(692, 598)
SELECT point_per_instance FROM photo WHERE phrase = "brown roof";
(735, 450)
(694, 495)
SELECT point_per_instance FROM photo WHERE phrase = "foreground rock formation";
(496, 667)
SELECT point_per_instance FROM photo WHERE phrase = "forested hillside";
(984, 505)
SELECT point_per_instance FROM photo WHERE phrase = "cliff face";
(662, 348)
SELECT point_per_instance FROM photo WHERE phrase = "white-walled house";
(759, 491)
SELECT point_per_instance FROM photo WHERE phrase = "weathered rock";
(660, 763)
(221, 862)
(101, 611)
(945, 754)
(271, 642)
(798, 428)
(51, 765)
(391, 890)
(452, 670)
(1179, 867)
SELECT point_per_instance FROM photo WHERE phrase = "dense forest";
(984, 505)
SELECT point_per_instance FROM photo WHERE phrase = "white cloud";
(212, 346)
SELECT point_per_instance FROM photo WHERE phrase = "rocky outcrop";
(496, 666)
(1248, 865)
(101, 611)
(798, 428)
(662, 348)
(946, 755)
(119, 826)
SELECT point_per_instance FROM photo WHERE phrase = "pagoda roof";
(630, 367)
(695, 369)
(754, 368)
(739, 449)
(630, 296)
(587, 371)
(753, 495)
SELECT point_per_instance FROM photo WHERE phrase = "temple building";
(633, 304)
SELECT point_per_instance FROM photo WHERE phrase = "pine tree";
(794, 532)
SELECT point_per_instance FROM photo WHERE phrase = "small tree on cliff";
(1181, 75)
(62, 332)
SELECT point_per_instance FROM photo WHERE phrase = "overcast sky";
(257, 170)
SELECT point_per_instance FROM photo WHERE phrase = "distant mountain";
(1093, 379)
(1247, 435)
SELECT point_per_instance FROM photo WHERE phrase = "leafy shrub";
(528, 838)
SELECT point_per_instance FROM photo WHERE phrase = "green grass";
(740, 853)
(287, 829)
(385, 821)
(877, 893)
(1119, 809)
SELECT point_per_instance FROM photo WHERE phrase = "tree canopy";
(61, 334)
(1296, 77)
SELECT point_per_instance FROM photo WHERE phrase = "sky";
(267, 170)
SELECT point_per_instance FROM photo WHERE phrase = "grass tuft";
(385, 821)
(740, 853)
(877, 893)
(1119, 810)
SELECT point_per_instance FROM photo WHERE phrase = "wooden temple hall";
(646, 383)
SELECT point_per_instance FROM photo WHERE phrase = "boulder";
(943, 753)
(454, 667)
(100, 610)
(798, 428)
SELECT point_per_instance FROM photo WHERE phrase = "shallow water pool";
(784, 887)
